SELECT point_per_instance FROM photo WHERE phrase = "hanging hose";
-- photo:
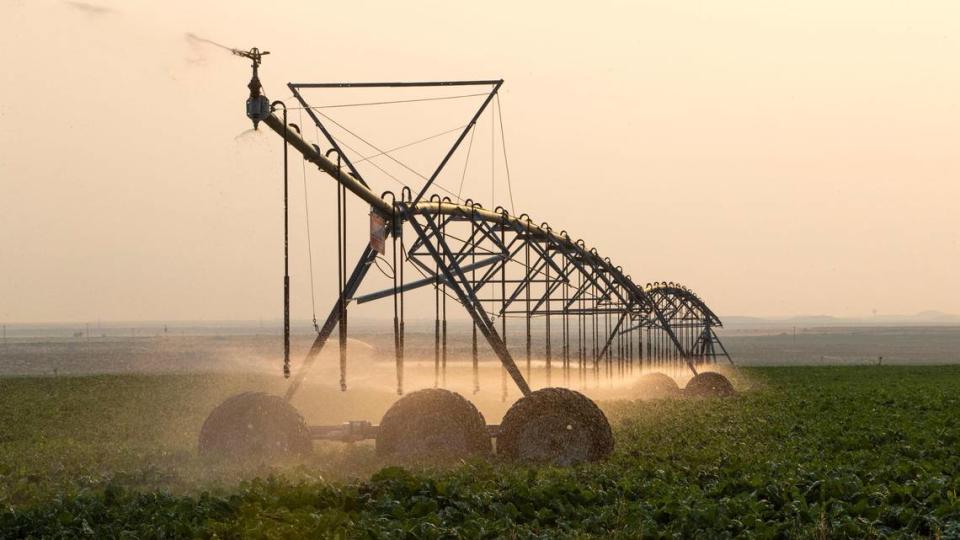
(547, 317)
(436, 331)
(526, 290)
(473, 278)
(443, 360)
(566, 335)
(396, 320)
(595, 343)
(394, 233)
(286, 249)
(400, 339)
(580, 329)
(341, 271)
(503, 300)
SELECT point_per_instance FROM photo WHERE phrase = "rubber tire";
(656, 385)
(555, 426)
(709, 384)
(254, 425)
(433, 424)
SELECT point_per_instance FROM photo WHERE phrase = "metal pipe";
(425, 281)
(286, 247)
(313, 154)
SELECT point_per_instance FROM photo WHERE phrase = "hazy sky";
(779, 158)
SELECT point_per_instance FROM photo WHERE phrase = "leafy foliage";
(806, 452)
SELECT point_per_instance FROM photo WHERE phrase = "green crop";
(804, 452)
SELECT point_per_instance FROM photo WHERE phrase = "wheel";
(709, 383)
(555, 426)
(656, 385)
(255, 424)
(432, 424)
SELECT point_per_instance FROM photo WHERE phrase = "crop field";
(847, 345)
(805, 452)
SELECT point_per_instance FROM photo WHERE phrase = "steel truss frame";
(499, 268)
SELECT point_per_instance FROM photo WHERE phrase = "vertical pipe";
(343, 302)
(580, 330)
(443, 361)
(436, 329)
(548, 303)
(436, 316)
(611, 352)
(443, 343)
(678, 349)
(620, 354)
(396, 311)
(473, 283)
(649, 362)
(615, 353)
(341, 270)
(593, 335)
(663, 349)
(608, 366)
(286, 257)
(655, 350)
(503, 310)
(668, 349)
(402, 321)
(640, 329)
(628, 348)
(565, 320)
(659, 347)
(526, 287)
(661, 342)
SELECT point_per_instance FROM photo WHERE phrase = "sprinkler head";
(258, 106)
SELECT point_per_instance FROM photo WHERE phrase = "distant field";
(802, 452)
(840, 345)
(178, 353)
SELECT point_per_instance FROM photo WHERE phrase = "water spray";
(258, 106)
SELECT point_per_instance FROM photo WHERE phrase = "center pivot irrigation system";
(504, 270)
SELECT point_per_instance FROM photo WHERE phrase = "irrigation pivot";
(507, 272)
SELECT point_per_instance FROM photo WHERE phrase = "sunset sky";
(779, 158)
